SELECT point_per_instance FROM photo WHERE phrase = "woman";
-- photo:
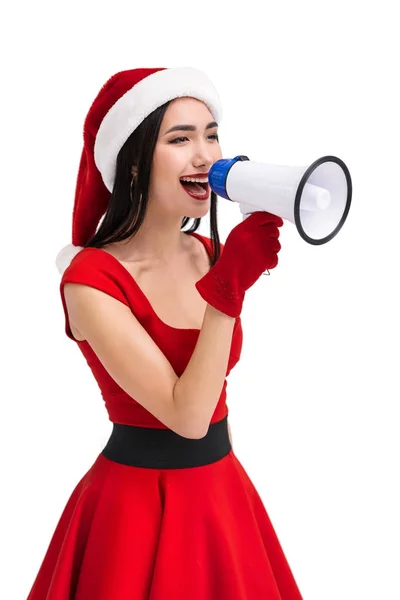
(167, 510)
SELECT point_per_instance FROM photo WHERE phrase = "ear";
(134, 170)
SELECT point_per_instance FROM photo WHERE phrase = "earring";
(140, 200)
(131, 190)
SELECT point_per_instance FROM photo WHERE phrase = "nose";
(204, 155)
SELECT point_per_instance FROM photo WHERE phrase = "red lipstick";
(196, 175)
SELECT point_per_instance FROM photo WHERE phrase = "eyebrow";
(190, 127)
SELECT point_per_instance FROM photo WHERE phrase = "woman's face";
(180, 153)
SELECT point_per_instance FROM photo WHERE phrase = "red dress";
(130, 533)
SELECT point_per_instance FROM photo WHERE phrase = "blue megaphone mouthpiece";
(218, 174)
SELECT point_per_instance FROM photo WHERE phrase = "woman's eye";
(178, 139)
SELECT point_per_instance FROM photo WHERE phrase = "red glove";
(250, 249)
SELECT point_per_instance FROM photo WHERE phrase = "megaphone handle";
(245, 214)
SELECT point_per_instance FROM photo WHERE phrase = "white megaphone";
(315, 198)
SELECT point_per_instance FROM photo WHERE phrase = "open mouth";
(197, 190)
(195, 187)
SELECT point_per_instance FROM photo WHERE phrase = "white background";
(314, 400)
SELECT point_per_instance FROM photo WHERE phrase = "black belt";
(164, 449)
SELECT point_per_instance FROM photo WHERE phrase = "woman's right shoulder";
(89, 270)
(94, 268)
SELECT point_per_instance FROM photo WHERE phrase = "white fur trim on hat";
(65, 256)
(138, 102)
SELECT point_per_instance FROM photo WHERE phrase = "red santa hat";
(123, 102)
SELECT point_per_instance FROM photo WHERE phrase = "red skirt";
(170, 532)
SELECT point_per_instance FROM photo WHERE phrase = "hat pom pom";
(65, 256)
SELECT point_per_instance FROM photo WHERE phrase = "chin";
(198, 213)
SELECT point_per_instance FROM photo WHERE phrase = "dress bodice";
(97, 268)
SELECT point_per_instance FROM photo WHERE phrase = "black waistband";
(165, 449)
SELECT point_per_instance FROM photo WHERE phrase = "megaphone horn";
(316, 198)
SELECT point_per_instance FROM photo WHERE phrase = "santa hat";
(123, 102)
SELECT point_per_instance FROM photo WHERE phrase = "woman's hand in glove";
(250, 249)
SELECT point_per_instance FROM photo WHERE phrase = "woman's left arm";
(229, 433)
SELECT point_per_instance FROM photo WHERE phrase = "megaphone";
(316, 198)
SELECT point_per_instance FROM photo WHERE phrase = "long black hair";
(124, 218)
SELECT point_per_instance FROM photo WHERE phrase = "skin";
(160, 240)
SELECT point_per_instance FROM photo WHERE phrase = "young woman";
(166, 512)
